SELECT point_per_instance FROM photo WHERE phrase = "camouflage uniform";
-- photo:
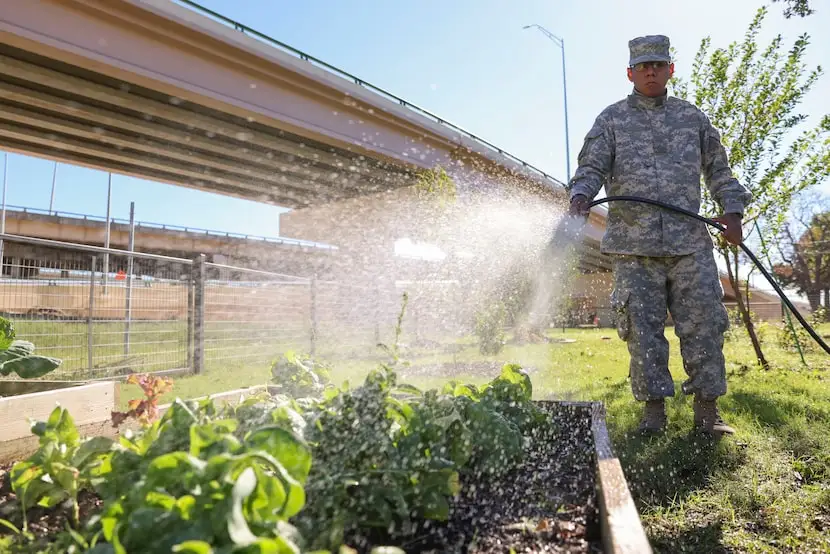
(658, 148)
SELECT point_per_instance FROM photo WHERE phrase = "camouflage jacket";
(656, 148)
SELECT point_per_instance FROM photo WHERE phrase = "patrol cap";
(650, 48)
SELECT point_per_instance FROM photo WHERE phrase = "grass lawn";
(766, 489)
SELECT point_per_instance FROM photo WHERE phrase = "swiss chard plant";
(17, 356)
(144, 410)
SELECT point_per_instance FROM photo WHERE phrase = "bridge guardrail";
(167, 227)
(241, 27)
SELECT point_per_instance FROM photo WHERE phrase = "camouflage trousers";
(689, 287)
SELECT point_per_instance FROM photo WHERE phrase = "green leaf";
(65, 476)
(213, 438)
(173, 469)
(277, 545)
(294, 492)
(513, 373)
(186, 505)
(193, 547)
(61, 425)
(8, 524)
(30, 367)
(158, 499)
(435, 506)
(7, 333)
(267, 500)
(90, 449)
(291, 452)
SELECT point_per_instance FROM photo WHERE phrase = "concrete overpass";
(282, 255)
(155, 90)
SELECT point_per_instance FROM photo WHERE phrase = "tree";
(801, 8)
(804, 248)
(751, 96)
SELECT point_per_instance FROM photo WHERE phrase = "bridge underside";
(55, 110)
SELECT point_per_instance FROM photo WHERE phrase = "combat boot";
(654, 417)
(708, 419)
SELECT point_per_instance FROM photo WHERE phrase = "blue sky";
(466, 60)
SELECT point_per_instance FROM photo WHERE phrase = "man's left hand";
(734, 229)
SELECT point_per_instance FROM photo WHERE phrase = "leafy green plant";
(205, 478)
(220, 493)
(17, 356)
(60, 468)
(388, 456)
(300, 375)
(489, 328)
(394, 350)
(793, 339)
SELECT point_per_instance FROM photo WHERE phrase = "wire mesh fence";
(253, 316)
(103, 313)
(108, 313)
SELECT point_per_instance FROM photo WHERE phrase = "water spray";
(570, 229)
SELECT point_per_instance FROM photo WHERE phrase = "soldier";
(656, 146)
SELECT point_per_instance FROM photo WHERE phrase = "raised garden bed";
(90, 404)
(559, 489)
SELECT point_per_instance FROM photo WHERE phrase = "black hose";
(746, 250)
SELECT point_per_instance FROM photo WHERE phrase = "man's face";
(650, 78)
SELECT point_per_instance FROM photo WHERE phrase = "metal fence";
(103, 312)
(107, 313)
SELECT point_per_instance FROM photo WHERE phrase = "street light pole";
(561, 44)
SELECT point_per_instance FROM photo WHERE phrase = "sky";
(468, 61)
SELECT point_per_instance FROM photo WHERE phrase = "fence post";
(190, 313)
(129, 296)
(89, 341)
(199, 315)
(313, 299)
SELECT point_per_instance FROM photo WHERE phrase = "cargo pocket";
(721, 319)
(622, 318)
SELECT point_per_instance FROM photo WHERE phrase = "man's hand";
(734, 230)
(579, 206)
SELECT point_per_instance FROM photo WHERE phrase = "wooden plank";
(88, 404)
(20, 449)
(622, 530)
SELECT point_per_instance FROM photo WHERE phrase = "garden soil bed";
(547, 504)
(43, 522)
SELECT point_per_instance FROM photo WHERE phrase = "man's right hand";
(580, 206)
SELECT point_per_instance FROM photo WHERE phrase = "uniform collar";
(638, 100)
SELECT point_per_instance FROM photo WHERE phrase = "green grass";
(766, 489)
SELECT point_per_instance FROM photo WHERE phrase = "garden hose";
(746, 250)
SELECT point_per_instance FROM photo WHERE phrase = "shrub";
(489, 328)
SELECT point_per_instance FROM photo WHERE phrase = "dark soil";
(43, 522)
(548, 504)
